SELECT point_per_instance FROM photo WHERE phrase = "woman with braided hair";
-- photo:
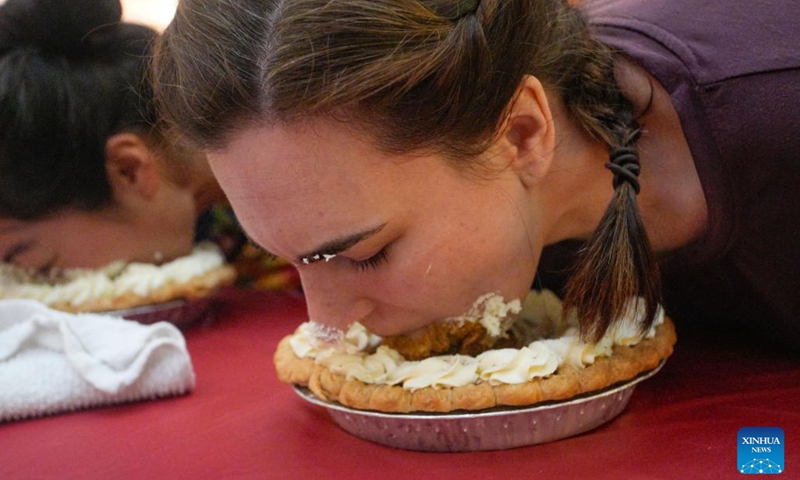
(412, 155)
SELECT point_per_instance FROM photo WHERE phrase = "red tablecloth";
(241, 423)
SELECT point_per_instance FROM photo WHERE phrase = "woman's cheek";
(420, 270)
(446, 288)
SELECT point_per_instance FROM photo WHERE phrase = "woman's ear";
(529, 133)
(131, 167)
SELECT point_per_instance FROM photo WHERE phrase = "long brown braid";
(617, 263)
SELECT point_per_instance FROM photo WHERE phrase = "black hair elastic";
(624, 163)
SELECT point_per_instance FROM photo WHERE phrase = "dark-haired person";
(413, 155)
(84, 176)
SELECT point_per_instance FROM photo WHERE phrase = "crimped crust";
(197, 287)
(624, 364)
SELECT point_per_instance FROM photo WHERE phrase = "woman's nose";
(332, 300)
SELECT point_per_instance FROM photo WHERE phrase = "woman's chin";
(411, 330)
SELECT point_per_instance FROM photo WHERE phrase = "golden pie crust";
(197, 287)
(624, 364)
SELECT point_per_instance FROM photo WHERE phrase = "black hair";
(71, 75)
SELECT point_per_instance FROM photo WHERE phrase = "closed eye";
(49, 266)
(370, 263)
(271, 257)
(17, 250)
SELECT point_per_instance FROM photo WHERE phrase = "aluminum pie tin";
(493, 429)
(180, 312)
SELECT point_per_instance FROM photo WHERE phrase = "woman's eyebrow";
(337, 245)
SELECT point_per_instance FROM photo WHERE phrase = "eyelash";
(47, 268)
(271, 257)
(371, 263)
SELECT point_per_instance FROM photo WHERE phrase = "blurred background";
(154, 13)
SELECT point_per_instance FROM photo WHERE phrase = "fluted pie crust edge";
(198, 287)
(626, 363)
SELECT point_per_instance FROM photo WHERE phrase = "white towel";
(53, 362)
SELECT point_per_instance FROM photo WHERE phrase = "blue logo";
(760, 450)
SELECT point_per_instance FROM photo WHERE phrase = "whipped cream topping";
(492, 313)
(77, 286)
(313, 339)
(437, 372)
(512, 366)
(353, 353)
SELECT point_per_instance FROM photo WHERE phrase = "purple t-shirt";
(732, 69)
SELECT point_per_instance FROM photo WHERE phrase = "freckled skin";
(448, 238)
